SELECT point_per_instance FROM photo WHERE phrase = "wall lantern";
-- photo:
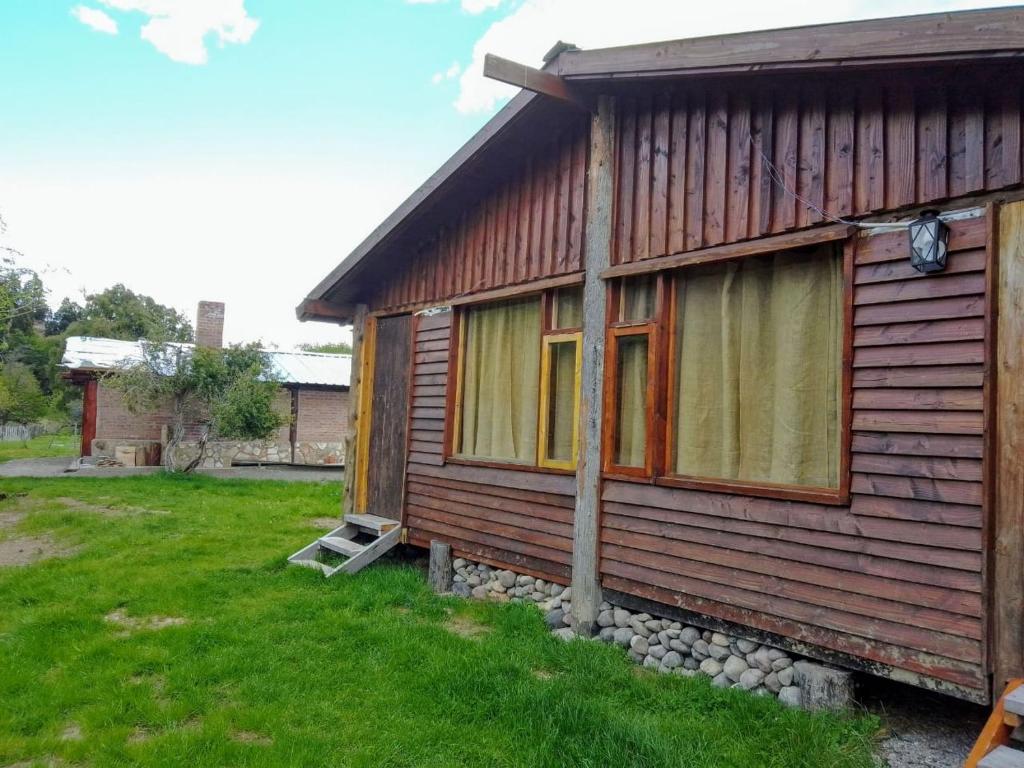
(929, 242)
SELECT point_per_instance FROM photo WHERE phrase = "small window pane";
(561, 401)
(631, 418)
(638, 299)
(568, 308)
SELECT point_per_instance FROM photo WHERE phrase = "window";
(731, 373)
(517, 393)
(635, 305)
(757, 366)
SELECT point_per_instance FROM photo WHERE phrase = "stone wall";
(667, 646)
(320, 454)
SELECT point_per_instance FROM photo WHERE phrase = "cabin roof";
(922, 39)
(91, 353)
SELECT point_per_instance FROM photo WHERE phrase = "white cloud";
(449, 74)
(95, 18)
(533, 27)
(179, 28)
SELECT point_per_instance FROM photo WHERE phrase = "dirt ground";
(59, 467)
(921, 729)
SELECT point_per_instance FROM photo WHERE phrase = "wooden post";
(439, 577)
(586, 580)
(351, 440)
(1008, 447)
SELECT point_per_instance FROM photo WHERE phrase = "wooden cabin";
(655, 332)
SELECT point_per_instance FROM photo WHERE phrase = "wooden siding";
(896, 577)
(530, 226)
(508, 518)
(691, 173)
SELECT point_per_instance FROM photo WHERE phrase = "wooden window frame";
(654, 329)
(546, 290)
(548, 340)
(661, 355)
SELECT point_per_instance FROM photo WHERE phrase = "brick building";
(314, 395)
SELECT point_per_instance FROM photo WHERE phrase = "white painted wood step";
(1003, 757)
(1014, 701)
(372, 522)
(340, 545)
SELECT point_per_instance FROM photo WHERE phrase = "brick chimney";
(210, 324)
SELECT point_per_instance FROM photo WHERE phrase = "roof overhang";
(902, 41)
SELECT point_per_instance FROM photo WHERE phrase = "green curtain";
(561, 400)
(638, 298)
(759, 369)
(500, 385)
(569, 307)
(631, 419)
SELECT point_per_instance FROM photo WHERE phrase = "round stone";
(537, 597)
(790, 696)
(567, 594)
(718, 652)
(699, 647)
(658, 651)
(523, 580)
(497, 586)
(461, 589)
(719, 639)
(710, 667)
(781, 663)
(556, 590)
(459, 563)
(622, 636)
(554, 618)
(639, 644)
(734, 667)
(565, 634)
(479, 592)
(473, 581)
(691, 663)
(654, 625)
(507, 579)
(605, 619)
(671, 660)
(621, 617)
(606, 634)
(751, 679)
(689, 635)
(721, 680)
(640, 627)
(762, 660)
(651, 663)
(775, 653)
(786, 676)
(746, 646)
(679, 645)
(771, 682)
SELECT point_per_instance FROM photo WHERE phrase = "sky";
(237, 150)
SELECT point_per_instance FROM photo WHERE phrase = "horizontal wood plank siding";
(896, 576)
(508, 518)
(859, 146)
(528, 227)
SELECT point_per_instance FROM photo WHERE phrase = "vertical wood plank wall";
(692, 174)
(896, 577)
(506, 517)
(530, 226)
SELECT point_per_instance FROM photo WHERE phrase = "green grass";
(40, 447)
(277, 666)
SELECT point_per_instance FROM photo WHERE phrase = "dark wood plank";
(949, 446)
(950, 353)
(966, 329)
(939, 422)
(927, 489)
(922, 376)
(660, 176)
(677, 174)
(918, 466)
(696, 154)
(918, 399)
(922, 309)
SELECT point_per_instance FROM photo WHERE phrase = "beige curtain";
(500, 385)
(759, 369)
(561, 400)
(569, 307)
(631, 419)
(638, 298)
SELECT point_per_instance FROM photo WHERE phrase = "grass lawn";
(170, 632)
(39, 447)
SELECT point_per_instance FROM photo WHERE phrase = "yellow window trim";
(368, 354)
(545, 400)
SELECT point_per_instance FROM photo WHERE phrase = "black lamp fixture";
(929, 242)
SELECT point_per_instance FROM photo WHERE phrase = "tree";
(67, 313)
(225, 394)
(119, 313)
(22, 303)
(21, 399)
(331, 348)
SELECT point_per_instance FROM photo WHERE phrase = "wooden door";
(88, 416)
(389, 416)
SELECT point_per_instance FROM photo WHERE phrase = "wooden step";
(341, 546)
(1014, 701)
(1003, 757)
(372, 522)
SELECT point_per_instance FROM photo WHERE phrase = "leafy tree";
(223, 394)
(119, 313)
(331, 348)
(67, 313)
(22, 303)
(21, 399)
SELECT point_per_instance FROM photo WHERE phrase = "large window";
(730, 374)
(517, 395)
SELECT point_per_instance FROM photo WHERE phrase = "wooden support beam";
(1008, 447)
(354, 390)
(439, 577)
(314, 309)
(586, 579)
(531, 79)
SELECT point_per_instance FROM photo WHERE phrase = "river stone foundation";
(667, 646)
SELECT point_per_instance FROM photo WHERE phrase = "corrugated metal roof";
(89, 353)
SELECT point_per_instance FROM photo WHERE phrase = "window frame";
(548, 340)
(456, 356)
(661, 414)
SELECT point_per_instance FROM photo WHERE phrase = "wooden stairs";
(352, 546)
(994, 748)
